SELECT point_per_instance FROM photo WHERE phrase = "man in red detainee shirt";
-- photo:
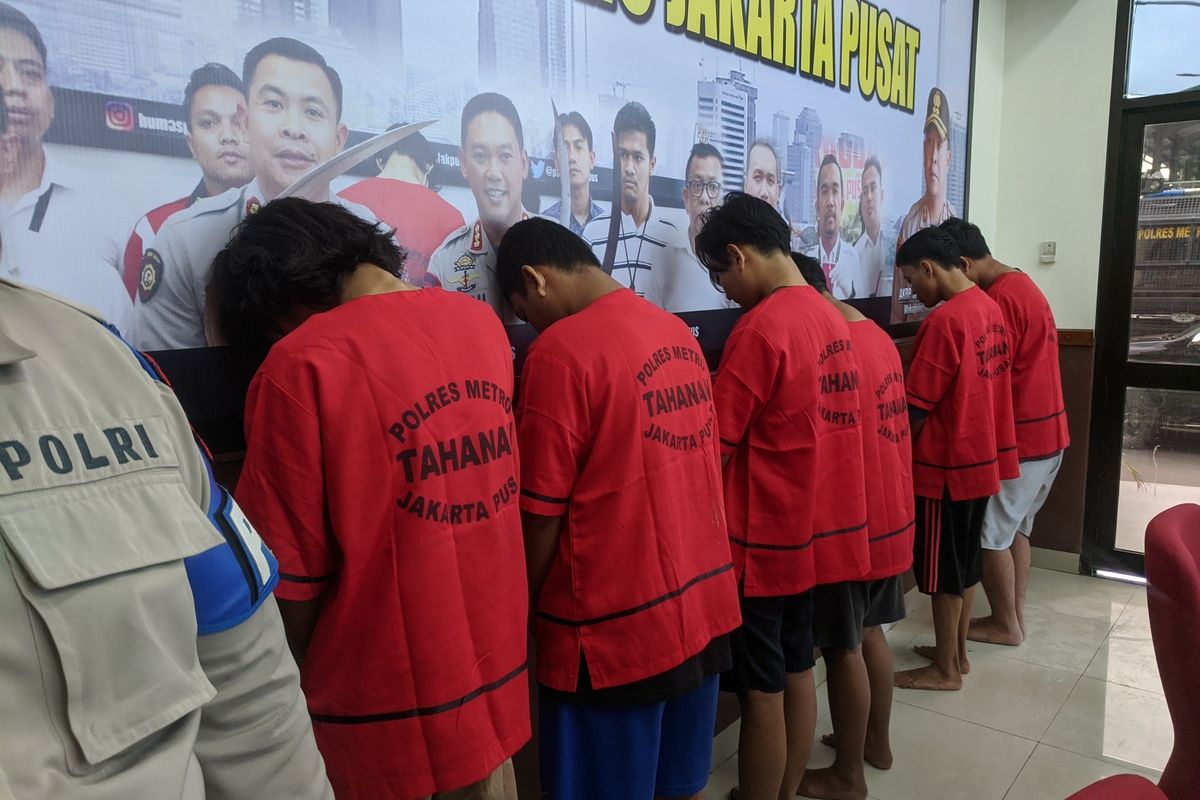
(1040, 417)
(214, 105)
(381, 466)
(791, 440)
(629, 570)
(964, 443)
(402, 198)
(860, 697)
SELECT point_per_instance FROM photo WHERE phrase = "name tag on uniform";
(84, 453)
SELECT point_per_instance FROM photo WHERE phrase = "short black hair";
(415, 146)
(633, 117)
(811, 271)
(770, 149)
(544, 243)
(873, 161)
(702, 150)
(932, 244)
(491, 101)
(969, 238)
(576, 119)
(741, 220)
(830, 158)
(15, 20)
(296, 50)
(290, 253)
(211, 74)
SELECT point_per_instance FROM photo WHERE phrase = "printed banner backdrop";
(849, 116)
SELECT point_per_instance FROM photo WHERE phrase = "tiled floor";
(1078, 701)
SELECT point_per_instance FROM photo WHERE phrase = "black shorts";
(775, 639)
(838, 613)
(948, 543)
(886, 601)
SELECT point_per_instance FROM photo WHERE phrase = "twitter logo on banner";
(537, 168)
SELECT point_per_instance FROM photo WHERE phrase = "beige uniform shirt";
(108, 689)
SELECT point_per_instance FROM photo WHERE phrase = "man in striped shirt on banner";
(647, 239)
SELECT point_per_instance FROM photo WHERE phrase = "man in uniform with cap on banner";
(294, 101)
(495, 164)
(214, 106)
(933, 208)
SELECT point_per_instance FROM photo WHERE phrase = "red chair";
(1173, 590)
(1120, 787)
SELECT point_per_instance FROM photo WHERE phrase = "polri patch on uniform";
(151, 274)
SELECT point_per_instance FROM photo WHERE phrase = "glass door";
(1145, 445)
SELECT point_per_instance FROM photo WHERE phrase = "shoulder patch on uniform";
(150, 275)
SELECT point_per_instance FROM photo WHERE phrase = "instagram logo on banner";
(118, 115)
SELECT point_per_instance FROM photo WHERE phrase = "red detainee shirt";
(382, 469)
(787, 400)
(1038, 409)
(887, 450)
(144, 232)
(619, 435)
(421, 217)
(960, 375)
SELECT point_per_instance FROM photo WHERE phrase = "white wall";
(1039, 139)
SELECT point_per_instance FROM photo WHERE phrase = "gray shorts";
(1012, 510)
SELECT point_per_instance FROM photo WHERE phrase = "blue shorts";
(605, 753)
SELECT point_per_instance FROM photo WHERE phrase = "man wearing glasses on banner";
(687, 286)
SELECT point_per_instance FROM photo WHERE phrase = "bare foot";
(989, 629)
(930, 652)
(877, 757)
(827, 784)
(929, 677)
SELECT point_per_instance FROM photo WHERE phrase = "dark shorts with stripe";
(948, 544)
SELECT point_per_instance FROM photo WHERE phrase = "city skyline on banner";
(119, 71)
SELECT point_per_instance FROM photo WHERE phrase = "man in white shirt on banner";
(57, 235)
(647, 240)
(494, 161)
(688, 287)
(762, 173)
(876, 249)
(838, 259)
(293, 120)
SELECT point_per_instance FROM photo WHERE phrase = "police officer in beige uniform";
(142, 654)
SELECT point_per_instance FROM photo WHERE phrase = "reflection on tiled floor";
(1078, 701)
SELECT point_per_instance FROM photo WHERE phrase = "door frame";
(1113, 373)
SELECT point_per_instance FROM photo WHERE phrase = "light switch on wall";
(1048, 252)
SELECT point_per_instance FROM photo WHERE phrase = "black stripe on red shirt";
(638, 608)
